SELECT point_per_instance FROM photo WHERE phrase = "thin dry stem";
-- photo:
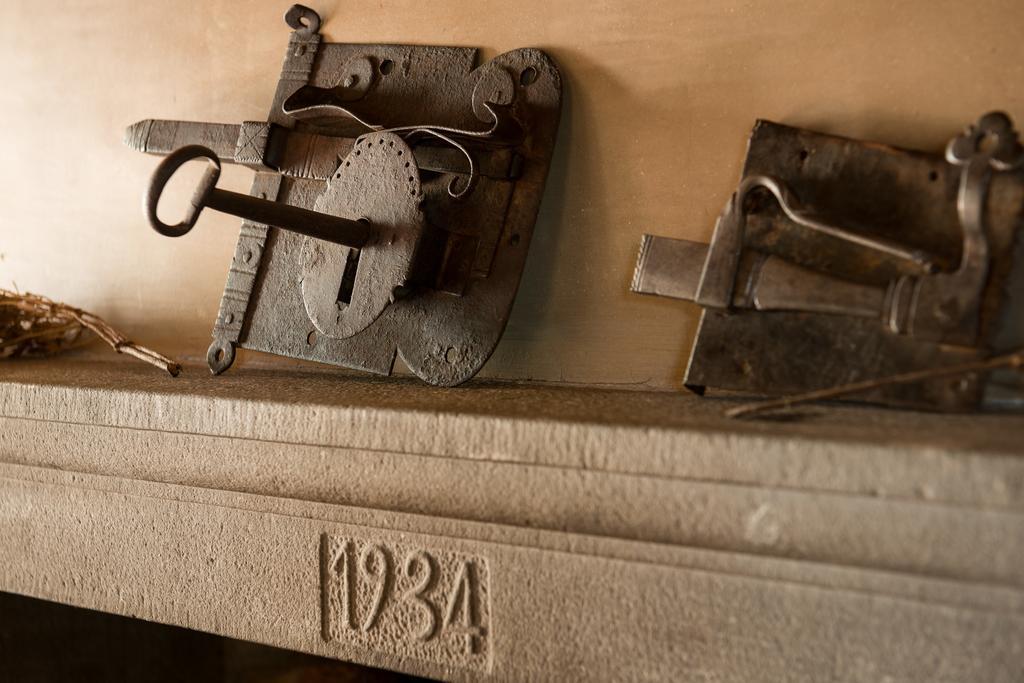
(1013, 360)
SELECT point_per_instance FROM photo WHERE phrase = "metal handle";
(165, 171)
(345, 231)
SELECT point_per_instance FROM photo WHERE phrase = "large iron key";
(345, 231)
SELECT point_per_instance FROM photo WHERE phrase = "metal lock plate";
(838, 261)
(444, 158)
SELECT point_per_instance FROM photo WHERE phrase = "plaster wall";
(660, 98)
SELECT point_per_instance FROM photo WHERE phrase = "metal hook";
(304, 21)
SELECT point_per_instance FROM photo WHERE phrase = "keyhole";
(348, 277)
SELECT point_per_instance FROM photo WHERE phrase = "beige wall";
(660, 97)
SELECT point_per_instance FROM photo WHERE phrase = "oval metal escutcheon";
(343, 289)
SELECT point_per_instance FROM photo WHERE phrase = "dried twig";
(34, 325)
(1013, 360)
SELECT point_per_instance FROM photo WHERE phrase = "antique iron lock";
(396, 191)
(839, 261)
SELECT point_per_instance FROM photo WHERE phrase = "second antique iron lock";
(838, 262)
(396, 192)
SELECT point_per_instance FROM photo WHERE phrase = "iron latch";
(839, 261)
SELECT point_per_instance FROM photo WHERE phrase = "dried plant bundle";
(34, 325)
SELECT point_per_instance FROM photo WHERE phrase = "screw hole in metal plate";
(220, 355)
(528, 76)
(386, 67)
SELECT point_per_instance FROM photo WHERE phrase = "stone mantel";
(517, 531)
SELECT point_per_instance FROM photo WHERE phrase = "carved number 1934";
(405, 599)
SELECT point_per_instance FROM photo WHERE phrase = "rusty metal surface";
(838, 261)
(426, 171)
